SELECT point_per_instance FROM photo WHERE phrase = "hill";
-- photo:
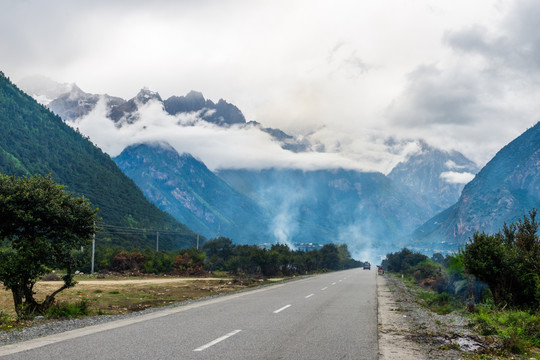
(35, 141)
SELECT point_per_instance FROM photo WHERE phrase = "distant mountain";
(221, 113)
(364, 210)
(503, 191)
(185, 188)
(35, 141)
(437, 177)
(125, 112)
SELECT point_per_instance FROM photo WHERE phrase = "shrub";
(69, 310)
(51, 277)
(124, 261)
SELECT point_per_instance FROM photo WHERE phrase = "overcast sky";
(460, 74)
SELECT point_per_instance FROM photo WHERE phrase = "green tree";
(509, 262)
(330, 257)
(42, 227)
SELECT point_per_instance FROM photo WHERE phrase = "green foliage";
(69, 310)
(42, 227)
(402, 261)
(35, 141)
(519, 330)
(222, 255)
(509, 262)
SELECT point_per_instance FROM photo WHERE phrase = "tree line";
(221, 254)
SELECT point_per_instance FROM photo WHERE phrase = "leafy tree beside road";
(42, 227)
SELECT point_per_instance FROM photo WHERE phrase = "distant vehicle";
(367, 266)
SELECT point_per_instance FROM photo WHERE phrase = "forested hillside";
(35, 141)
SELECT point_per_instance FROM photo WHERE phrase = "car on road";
(367, 266)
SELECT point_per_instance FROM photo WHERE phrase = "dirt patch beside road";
(407, 331)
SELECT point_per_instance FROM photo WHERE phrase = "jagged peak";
(194, 95)
(146, 94)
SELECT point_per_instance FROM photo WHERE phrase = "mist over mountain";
(35, 141)
(507, 188)
(186, 189)
(437, 177)
(366, 211)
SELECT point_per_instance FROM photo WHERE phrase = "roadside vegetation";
(494, 281)
(222, 255)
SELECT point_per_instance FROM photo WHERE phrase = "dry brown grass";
(121, 296)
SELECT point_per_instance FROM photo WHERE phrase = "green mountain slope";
(34, 140)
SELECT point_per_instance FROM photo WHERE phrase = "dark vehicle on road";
(367, 266)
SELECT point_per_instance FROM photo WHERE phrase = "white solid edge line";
(310, 295)
(218, 340)
(281, 309)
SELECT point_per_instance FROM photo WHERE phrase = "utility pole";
(93, 250)
(157, 241)
(197, 241)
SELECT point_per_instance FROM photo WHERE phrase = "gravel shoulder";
(409, 331)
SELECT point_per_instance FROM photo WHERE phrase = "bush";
(51, 277)
(508, 263)
(403, 260)
(69, 310)
(125, 261)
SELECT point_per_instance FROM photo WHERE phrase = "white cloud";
(229, 147)
(453, 177)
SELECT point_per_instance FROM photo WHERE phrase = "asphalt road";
(330, 316)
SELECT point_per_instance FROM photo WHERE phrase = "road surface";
(329, 316)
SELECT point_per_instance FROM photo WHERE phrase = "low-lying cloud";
(453, 177)
(232, 147)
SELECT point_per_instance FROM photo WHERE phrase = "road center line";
(333, 283)
(310, 295)
(218, 340)
(281, 309)
(324, 288)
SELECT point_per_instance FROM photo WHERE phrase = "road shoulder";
(409, 331)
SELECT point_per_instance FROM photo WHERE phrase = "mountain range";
(424, 195)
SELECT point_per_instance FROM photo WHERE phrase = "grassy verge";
(516, 331)
(440, 303)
